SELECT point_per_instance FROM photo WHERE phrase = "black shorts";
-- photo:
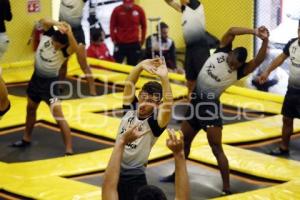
(291, 104)
(78, 34)
(4, 111)
(204, 113)
(40, 89)
(129, 185)
(195, 57)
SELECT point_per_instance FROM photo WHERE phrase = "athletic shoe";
(21, 143)
(279, 152)
(69, 154)
(168, 179)
(226, 192)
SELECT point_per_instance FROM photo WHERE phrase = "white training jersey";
(216, 75)
(136, 154)
(48, 61)
(71, 11)
(193, 23)
(292, 49)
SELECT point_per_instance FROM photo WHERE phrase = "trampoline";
(43, 172)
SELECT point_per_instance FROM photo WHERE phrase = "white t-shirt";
(193, 23)
(48, 61)
(216, 75)
(136, 154)
(292, 49)
(71, 11)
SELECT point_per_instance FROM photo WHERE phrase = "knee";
(217, 149)
(287, 121)
(31, 110)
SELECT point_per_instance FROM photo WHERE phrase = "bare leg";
(189, 134)
(30, 119)
(81, 58)
(287, 131)
(214, 136)
(4, 101)
(63, 125)
(191, 86)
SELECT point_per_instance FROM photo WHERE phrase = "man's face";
(57, 45)
(164, 33)
(147, 104)
(232, 61)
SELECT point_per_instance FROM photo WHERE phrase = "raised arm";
(275, 63)
(263, 34)
(112, 172)
(182, 187)
(229, 36)
(165, 109)
(48, 23)
(129, 88)
(174, 5)
(73, 45)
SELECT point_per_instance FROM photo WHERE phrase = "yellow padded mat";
(50, 188)
(255, 94)
(250, 162)
(254, 104)
(249, 131)
(285, 191)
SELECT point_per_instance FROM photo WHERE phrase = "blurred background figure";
(5, 15)
(167, 47)
(127, 31)
(98, 48)
(71, 12)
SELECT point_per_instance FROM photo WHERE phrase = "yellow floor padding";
(255, 94)
(250, 162)
(249, 131)
(51, 188)
(285, 191)
(251, 103)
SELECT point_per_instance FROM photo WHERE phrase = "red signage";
(33, 6)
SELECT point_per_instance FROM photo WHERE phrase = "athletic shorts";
(4, 41)
(291, 103)
(204, 113)
(40, 89)
(2, 113)
(78, 34)
(195, 57)
(129, 185)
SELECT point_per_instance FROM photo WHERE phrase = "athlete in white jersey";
(221, 70)
(193, 26)
(71, 11)
(291, 104)
(152, 109)
(53, 50)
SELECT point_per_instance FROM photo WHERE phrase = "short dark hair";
(241, 54)
(153, 88)
(150, 192)
(96, 34)
(60, 37)
(162, 25)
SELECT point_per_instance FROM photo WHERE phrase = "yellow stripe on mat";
(286, 191)
(249, 131)
(53, 188)
(250, 162)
